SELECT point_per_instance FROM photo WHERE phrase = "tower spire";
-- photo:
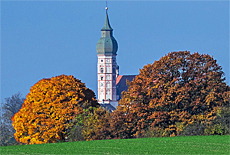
(107, 44)
(106, 26)
(107, 51)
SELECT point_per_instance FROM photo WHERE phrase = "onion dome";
(107, 44)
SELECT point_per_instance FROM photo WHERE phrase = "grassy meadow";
(166, 145)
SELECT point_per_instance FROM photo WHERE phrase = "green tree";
(221, 124)
(96, 125)
(173, 92)
(49, 109)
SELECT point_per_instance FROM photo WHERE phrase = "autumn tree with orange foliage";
(169, 94)
(49, 109)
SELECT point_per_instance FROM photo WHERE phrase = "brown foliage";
(49, 109)
(119, 124)
(179, 88)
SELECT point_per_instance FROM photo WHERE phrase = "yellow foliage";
(49, 108)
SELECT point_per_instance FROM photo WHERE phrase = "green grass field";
(166, 145)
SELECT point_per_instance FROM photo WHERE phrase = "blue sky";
(45, 39)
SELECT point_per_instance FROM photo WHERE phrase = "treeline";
(101, 125)
(181, 94)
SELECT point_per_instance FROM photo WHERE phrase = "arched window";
(102, 70)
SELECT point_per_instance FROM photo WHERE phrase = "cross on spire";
(106, 8)
(106, 26)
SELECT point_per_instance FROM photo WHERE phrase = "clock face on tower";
(107, 60)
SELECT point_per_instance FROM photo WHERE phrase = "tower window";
(101, 78)
(102, 70)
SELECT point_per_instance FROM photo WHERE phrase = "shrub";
(194, 130)
(75, 134)
(155, 132)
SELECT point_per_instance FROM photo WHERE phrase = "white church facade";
(110, 83)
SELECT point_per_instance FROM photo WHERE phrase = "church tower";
(107, 68)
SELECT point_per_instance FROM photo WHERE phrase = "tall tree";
(49, 109)
(11, 106)
(8, 109)
(176, 90)
(5, 133)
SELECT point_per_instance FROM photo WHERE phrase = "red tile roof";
(118, 79)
